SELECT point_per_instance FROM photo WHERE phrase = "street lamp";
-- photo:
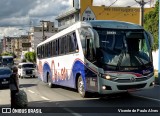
(141, 3)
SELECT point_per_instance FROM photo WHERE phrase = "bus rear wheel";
(50, 85)
(81, 88)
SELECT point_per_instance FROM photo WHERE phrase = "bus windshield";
(7, 61)
(123, 48)
(28, 66)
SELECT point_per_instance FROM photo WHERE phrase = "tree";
(151, 24)
(6, 54)
(30, 56)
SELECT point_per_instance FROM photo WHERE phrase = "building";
(16, 44)
(36, 38)
(1, 46)
(48, 27)
(37, 33)
(7, 44)
(84, 10)
(24, 43)
(69, 17)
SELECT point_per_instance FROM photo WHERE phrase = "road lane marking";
(31, 91)
(72, 112)
(147, 98)
(44, 98)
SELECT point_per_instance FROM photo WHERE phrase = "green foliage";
(151, 24)
(6, 54)
(30, 56)
(23, 60)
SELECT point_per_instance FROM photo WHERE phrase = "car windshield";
(5, 71)
(28, 66)
(123, 47)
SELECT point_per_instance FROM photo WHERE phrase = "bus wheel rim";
(81, 87)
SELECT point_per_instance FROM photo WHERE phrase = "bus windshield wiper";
(140, 60)
(120, 59)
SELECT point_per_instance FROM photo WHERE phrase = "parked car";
(5, 73)
(26, 69)
(7, 61)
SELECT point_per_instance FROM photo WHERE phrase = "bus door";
(89, 48)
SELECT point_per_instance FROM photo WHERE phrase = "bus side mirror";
(151, 39)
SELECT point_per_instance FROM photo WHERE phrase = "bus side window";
(43, 51)
(54, 48)
(48, 55)
(70, 43)
(74, 45)
(62, 45)
(90, 52)
(57, 46)
(50, 49)
(46, 48)
(75, 42)
(65, 45)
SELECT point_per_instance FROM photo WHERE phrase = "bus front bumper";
(109, 87)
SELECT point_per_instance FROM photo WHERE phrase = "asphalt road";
(64, 101)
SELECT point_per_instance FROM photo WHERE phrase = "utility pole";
(43, 35)
(141, 3)
(28, 37)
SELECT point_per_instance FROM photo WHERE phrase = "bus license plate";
(131, 90)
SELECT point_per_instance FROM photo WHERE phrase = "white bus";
(98, 56)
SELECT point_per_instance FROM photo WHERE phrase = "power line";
(108, 7)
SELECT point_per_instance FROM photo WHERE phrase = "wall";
(36, 38)
(155, 59)
(126, 14)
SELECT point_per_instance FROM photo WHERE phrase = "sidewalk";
(5, 98)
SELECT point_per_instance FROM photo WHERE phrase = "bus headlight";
(106, 77)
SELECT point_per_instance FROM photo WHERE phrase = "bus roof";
(94, 23)
(114, 24)
(67, 30)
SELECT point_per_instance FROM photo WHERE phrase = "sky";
(16, 15)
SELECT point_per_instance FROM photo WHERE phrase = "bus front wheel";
(80, 87)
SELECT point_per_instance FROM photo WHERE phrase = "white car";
(26, 69)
